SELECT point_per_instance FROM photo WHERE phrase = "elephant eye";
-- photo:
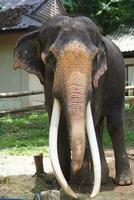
(50, 61)
(95, 61)
(95, 64)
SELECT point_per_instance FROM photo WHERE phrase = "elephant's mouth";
(53, 135)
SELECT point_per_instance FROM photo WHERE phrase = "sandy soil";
(17, 179)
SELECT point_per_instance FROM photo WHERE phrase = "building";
(18, 17)
(123, 37)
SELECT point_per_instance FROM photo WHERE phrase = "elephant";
(83, 75)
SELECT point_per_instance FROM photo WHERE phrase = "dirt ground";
(17, 179)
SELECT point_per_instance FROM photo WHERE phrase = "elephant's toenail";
(128, 182)
(121, 183)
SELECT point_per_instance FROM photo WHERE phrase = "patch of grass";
(106, 139)
(28, 150)
(27, 134)
(129, 138)
(129, 107)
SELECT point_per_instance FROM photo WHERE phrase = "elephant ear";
(27, 55)
(100, 64)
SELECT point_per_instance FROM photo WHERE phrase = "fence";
(20, 94)
(129, 99)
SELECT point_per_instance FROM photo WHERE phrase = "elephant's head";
(68, 55)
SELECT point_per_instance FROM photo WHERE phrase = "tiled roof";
(123, 37)
(13, 14)
(21, 14)
(48, 9)
(6, 4)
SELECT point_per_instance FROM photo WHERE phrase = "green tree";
(108, 14)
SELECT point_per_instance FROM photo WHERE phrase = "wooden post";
(38, 159)
(23, 109)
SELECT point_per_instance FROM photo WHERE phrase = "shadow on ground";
(25, 186)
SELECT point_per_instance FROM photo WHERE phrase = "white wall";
(34, 84)
(16, 81)
(11, 80)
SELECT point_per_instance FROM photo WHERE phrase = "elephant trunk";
(76, 117)
(77, 144)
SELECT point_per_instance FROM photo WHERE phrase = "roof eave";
(31, 28)
(128, 54)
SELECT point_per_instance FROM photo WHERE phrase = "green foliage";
(108, 14)
(70, 5)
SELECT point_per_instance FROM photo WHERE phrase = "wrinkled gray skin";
(78, 64)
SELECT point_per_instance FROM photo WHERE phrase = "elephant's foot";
(123, 173)
(50, 179)
(83, 177)
(104, 179)
(81, 181)
(123, 177)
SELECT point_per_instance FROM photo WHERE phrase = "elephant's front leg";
(104, 165)
(115, 127)
(64, 151)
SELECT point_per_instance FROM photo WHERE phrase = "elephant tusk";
(43, 56)
(53, 135)
(94, 151)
